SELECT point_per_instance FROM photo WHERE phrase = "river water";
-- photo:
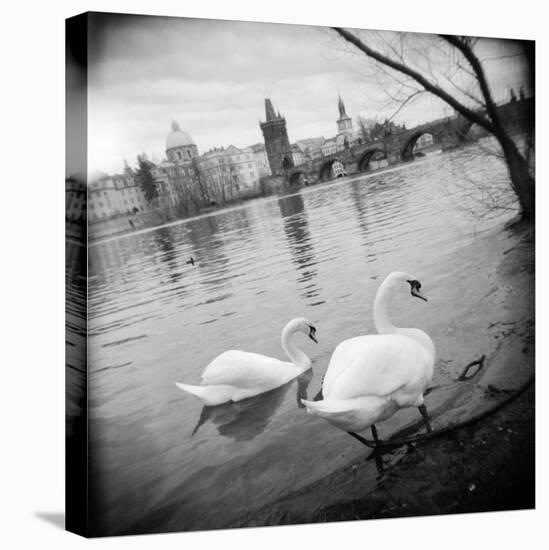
(158, 460)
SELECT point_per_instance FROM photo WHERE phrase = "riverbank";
(485, 465)
(120, 226)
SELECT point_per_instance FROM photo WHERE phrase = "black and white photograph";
(300, 274)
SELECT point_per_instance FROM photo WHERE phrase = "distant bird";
(190, 261)
(371, 377)
(236, 375)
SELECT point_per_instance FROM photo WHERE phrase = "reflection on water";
(294, 217)
(246, 419)
(159, 461)
(360, 209)
(164, 242)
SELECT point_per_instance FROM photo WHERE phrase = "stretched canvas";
(299, 274)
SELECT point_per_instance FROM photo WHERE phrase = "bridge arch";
(407, 152)
(326, 173)
(363, 164)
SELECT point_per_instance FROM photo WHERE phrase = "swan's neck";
(381, 311)
(298, 358)
(384, 325)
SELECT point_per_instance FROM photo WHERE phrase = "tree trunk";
(523, 184)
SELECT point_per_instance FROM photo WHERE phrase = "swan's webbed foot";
(425, 415)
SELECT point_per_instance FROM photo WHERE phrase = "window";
(251, 174)
(179, 154)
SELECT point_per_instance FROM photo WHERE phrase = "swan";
(236, 375)
(370, 377)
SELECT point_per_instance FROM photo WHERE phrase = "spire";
(175, 126)
(269, 110)
(127, 168)
(341, 107)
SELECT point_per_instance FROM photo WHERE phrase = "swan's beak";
(312, 331)
(417, 293)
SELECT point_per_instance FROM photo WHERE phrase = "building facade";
(311, 148)
(329, 147)
(175, 180)
(261, 159)
(276, 140)
(230, 173)
(423, 142)
(338, 170)
(177, 185)
(111, 196)
(298, 155)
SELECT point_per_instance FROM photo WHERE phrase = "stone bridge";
(396, 147)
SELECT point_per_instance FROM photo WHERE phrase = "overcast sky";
(212, 77)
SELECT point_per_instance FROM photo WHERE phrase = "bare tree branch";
(463, 46)
(409, 99)
(418, 77)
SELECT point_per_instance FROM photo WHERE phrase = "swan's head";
(300, 324)
(396, 278)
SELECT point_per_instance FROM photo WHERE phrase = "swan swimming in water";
(370, 377)
(236, 375)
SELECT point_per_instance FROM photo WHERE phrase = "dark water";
(158, 460)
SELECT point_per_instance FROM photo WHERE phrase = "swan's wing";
(374, 365)
(245, 370)
(338, 362)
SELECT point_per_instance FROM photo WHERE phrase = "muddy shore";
(486, 465)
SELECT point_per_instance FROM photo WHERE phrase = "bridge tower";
(344, 122)
(276, 139)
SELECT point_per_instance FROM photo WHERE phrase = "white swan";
(236, 375)
(370, 377)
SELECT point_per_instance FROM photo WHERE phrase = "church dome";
(178, 138)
